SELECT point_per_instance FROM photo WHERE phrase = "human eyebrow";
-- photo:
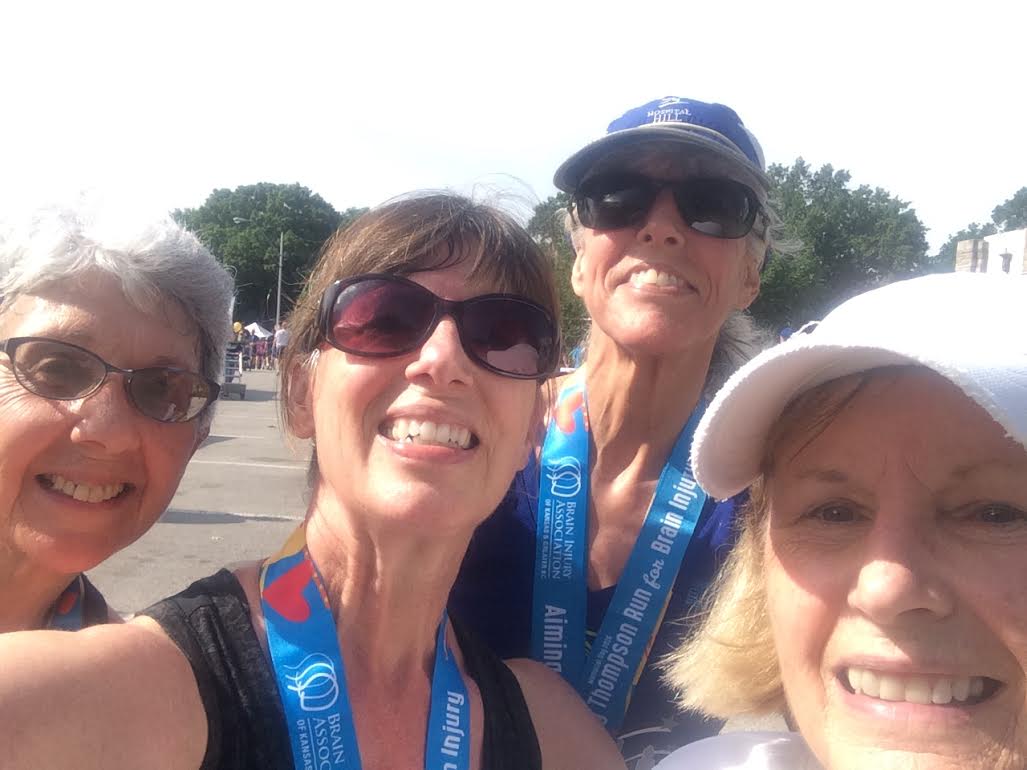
(962, 472)
(825, 475)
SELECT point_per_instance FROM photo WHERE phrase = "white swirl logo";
(316, 683)
(564, 474)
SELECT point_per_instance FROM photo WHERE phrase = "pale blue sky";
(157, 105)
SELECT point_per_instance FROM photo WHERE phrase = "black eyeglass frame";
(656, 186)
(443, 307)
(10, 345)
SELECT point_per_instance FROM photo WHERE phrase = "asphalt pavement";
(242, 494)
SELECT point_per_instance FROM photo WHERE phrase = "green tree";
(242, 228)
(1012, 214)
(852, 239)
(546, 227)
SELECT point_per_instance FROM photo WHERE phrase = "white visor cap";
(968, 327)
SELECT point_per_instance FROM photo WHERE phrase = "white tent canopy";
(257, 330)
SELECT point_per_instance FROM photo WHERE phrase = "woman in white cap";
(877, 591)
(605, 533)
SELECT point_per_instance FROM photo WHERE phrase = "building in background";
(998, 253)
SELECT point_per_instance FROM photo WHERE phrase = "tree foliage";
(1012, 214)
(852, 239)
(546, 227)
(242, 228)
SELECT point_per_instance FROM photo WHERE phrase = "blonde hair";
(728, 666)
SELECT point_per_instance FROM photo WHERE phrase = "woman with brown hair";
(414, 366)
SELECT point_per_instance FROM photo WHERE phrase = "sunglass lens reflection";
(378, 317)
(55, 370)
(507, 335)
(168, 395)
(715, 207)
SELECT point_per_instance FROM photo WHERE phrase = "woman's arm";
(115, 696)
(569, 736)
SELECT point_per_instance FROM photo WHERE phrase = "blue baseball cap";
(687, 126)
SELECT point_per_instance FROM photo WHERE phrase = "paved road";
(241, 495)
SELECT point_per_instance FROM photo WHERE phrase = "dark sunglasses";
(721, 208)
(379, 315)
(65, 372)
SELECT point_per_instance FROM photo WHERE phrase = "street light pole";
(278, 304)
(281, 244)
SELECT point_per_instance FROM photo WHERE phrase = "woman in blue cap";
(607, 534)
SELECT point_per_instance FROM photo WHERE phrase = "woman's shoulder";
(568, 734)
(744, 751)
(211, 623)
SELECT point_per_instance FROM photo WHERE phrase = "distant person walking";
(281, 340)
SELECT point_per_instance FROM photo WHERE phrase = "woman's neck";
(639, 404)
(27, 592)
(387, 590)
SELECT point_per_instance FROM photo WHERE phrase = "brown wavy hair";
(413, 234)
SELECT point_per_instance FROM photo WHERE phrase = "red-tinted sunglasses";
(379, 316)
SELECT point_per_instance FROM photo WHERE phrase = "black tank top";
(210, 622)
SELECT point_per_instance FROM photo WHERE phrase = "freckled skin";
(899, 533)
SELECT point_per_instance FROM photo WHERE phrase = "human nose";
(107, 419)
(663, 224)
(441, 359)
(899, 574)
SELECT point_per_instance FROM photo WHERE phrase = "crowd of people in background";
(506, 564)
(261, 349)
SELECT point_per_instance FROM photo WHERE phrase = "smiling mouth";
(428, 433)
(651, 277)
(918, 688)
(84, 493)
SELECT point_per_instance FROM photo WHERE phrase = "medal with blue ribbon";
(311, 678)
(606, 675)
(68, 613)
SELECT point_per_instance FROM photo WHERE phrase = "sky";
(152, 105)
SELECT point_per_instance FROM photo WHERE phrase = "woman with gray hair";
(112, 340)
(876, 594)
(606, 533)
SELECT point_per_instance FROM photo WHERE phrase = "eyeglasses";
(65, 372)
(721, 208)
(379, 316)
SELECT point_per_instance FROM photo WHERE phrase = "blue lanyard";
(311, 679)
(605, 676)
(68, 613)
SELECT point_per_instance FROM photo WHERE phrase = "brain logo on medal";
(315, 682)
(564, 474)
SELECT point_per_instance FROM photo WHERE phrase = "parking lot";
(241, 495)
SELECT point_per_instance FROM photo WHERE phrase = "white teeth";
(86, 493)
(918, 690)
(427, 432)
(913, 689)
(854, 678)
(653, 277)
(870, 684)
(961, 688)
(941, 693)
